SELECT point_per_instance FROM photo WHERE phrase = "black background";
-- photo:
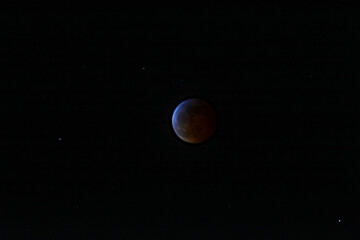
(283, 163)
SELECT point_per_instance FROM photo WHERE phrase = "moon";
(194, 120)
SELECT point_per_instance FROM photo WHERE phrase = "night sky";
(87, 94)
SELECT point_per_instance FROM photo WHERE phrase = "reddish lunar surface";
(194, 120)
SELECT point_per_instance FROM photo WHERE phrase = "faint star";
(143, 68)
(339, 220)
(59, 138)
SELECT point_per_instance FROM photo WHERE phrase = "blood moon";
(194, 120)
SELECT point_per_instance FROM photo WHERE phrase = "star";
(339, 220)
(60, 138)
(143, 68)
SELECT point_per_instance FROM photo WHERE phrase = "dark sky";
(283, 163)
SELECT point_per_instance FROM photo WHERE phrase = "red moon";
(194, 120)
